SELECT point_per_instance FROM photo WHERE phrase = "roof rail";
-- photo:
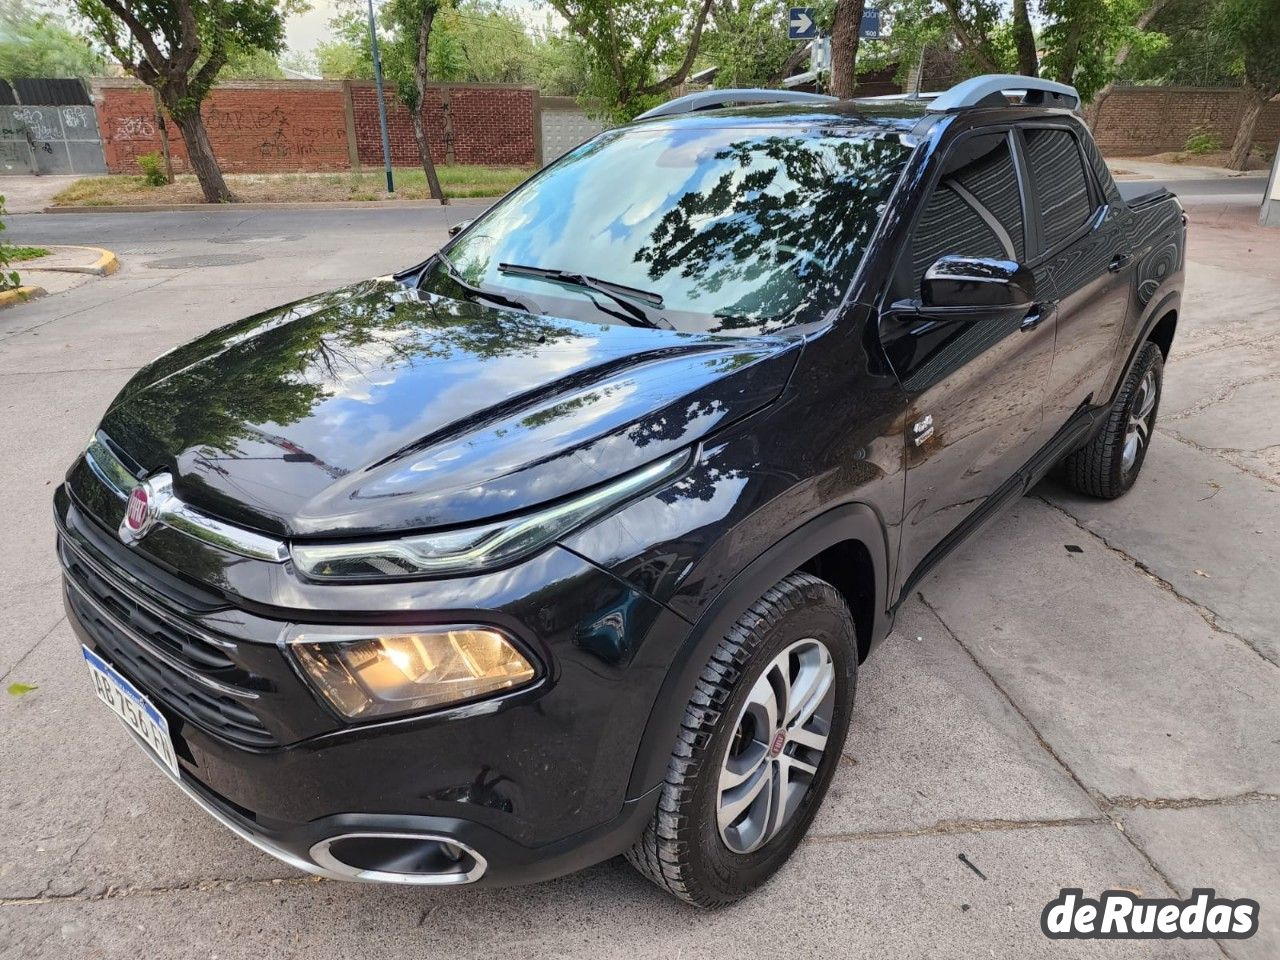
(990, 90)
(715, 99)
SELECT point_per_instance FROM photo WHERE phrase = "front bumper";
(510, 790)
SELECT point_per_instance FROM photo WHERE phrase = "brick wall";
(268, 126)
(1136, 121)
(464, 124)
(258, 126)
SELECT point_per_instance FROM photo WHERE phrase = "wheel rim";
(1141, 415)
(777, 746)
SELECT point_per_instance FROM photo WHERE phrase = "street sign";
(801, 24)
(869, 29)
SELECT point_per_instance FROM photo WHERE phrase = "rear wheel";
(1108, 465)
(759, 742)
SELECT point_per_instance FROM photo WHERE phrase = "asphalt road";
(1104, 718)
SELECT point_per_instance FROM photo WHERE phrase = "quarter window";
(1061, 186)
(974, 211)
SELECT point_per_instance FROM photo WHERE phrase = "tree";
(1024, 40)
(178, 48)
(747, 41)
(347, 55)
(845, 24)
(412, 20)
(1253, 26)
(629, 44)
(34, 44)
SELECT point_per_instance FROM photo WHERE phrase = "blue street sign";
(801, 24)
(869, 29)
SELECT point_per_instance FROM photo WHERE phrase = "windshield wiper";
(501, 299)
(631, 299)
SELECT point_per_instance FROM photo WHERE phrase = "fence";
(48, 126)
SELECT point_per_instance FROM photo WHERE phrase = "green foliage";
(347, 55)
(637, 51)
(1183, 47)
(248, 63)
(34, 43)
(8, 278)
(17, 689)
(1253, 29)
(180, 46)
(1203, 142)
(747, 41)
(153, 171)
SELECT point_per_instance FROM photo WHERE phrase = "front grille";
(188, 670)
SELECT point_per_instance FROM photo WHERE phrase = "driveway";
(1086, 696)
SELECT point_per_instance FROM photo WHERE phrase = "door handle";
(1119, 262)
(1039, 312)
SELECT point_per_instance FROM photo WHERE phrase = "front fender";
(854, 521)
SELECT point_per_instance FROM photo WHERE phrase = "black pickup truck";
(568, 541)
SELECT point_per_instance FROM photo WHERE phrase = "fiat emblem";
(779, 741)
(142, 509)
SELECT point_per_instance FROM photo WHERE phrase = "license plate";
(138, 713)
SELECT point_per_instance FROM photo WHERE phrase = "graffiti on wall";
(50, 139)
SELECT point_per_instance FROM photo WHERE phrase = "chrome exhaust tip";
(410, 858)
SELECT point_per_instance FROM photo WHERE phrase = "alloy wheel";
(1141, 416)
(777, 746)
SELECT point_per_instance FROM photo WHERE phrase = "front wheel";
(1108, 464)
(760, 740)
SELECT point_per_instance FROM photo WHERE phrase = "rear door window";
(1059, 181)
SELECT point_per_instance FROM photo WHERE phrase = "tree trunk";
(164, 137)
(419, 125)
(1244, 134)
(200, 156)
(1024, 39)
(844, 47)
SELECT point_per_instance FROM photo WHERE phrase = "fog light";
(366, 676)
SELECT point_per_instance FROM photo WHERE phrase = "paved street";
(1107, 718)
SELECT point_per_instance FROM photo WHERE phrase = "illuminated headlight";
(479, 548)
(365, 676)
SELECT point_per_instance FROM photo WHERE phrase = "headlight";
(365, 676)
(477, 548)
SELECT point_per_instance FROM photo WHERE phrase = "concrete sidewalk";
(1107, 718)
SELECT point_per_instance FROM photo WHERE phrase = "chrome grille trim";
(176, 515)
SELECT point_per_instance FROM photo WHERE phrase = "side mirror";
(457, 228)
(976, 282)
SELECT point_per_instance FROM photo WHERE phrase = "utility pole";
(382, 100)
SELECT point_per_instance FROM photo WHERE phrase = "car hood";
(378, 408)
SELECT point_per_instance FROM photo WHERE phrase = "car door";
(976, 386)
(1082, 239)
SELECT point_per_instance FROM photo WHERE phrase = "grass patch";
(19, 254)
(457, 180)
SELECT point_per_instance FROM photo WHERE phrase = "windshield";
(745, 230)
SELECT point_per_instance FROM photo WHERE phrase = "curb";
(290, 205)
(105, 265)
(10, 298)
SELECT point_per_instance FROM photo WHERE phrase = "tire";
(1106, 467)
(685, 849)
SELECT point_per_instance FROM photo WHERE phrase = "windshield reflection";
(735, 229)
